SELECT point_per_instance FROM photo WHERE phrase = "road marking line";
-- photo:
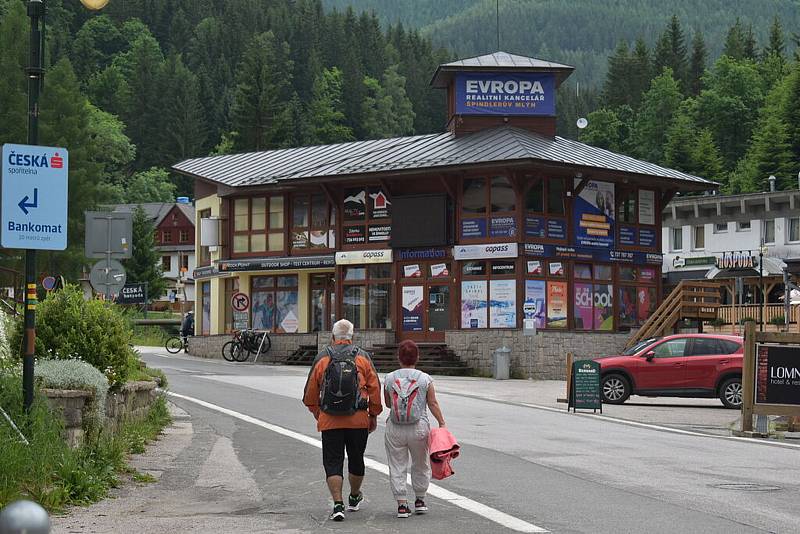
(492, 514)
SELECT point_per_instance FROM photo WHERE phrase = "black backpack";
(340, 388)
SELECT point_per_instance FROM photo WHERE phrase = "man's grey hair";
(342, 329)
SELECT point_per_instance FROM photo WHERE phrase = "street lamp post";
(35, 72)
(761, 285)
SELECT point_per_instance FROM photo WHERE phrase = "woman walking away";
(409, 393)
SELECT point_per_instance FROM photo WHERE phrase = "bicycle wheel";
(240, 354)
(267, 344)
(174, 345)
(227, 351)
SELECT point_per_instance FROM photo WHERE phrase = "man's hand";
(373, 423)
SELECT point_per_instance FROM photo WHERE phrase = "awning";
(674, 277)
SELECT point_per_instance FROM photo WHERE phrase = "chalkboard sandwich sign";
(585, 386)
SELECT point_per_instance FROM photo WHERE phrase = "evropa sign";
(34, 192)
(524, 93)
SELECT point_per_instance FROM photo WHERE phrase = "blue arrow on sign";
(24, 204)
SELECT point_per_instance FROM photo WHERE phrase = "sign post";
(584, 391)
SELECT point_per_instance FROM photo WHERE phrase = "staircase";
(434, 358)
(689, 300)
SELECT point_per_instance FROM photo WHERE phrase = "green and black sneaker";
(338, 512)
(354, 502)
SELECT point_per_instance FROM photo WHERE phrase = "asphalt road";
(543, 468)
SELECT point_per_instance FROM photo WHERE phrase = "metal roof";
(499, 61)
(156, 211)
(434, 151)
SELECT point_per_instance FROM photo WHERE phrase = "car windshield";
(639, 346)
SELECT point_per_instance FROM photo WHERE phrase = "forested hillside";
(582, 33)
(145, 83)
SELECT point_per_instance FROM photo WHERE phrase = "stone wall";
(542, 357)
(132, 401)
(366, 339)
(208, 346)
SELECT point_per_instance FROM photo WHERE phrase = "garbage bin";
(501, 363)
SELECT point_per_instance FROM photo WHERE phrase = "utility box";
(501, 363)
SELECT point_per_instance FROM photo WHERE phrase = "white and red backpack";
(408, 399)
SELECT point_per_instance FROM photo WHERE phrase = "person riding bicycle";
(187, 329)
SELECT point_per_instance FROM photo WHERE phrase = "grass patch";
(50, 472)
(149, 336)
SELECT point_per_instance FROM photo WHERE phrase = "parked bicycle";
(245, 343)
(175, 344)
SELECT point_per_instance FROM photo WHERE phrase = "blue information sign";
(524, 93)
(34, 191)
(556, 229)
(647, 237)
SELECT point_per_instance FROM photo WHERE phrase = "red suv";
(684, 365)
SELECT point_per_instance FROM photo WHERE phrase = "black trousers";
(334, 443)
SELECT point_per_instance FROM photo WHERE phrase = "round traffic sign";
(240, 302)
(107, 277)
(49, 282)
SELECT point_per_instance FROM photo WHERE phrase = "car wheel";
(616, 389)
(730, 393)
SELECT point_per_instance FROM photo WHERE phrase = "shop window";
(637, 294)
(699, 237)
(274, 303)
(258, 225)
(367, 214)
(205, 253)
(313, 223)
(488, 208)
(366, 298)
(545, 294)
(489, 300)
(544, 207)
(205, 307)
(594, 297)
(769, 232)
(166, 263)
(636, 217)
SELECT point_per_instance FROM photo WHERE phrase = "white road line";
(492, 514)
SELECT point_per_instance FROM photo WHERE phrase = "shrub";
(717, 322)
(75, 374)
(69, 328)
(8, 359)
(778, 320)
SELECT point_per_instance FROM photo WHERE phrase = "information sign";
(778, 374)
(132, 294)
(585, 386)
(34, 193)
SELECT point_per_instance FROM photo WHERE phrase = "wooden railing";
(689, 300)
(734, 314)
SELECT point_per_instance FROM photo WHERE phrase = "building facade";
(493, 227)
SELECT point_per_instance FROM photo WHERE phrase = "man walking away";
(343, 392)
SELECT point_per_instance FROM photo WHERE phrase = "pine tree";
(144, 266)
(670, 52)
(771, 154)
(263, 90)
(697, 64)
(94, 45)
(736, 41)
(656, 115)
(777, 40)
(617, 88)
(387, 111)
(13, 58)
(791, 111)
(706, 159)
(184, 133)
(641, 73)
(144, 115)
(325, 112)
(678, 153)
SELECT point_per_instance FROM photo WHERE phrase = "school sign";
(521, 93)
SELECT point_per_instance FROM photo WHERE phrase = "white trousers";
(404, 442)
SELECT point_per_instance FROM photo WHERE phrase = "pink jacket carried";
(443, 448)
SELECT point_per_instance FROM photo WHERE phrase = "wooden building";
(496, 223)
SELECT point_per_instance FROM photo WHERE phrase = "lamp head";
(94, 5)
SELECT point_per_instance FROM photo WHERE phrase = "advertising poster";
(354, 235)
(205, 323)
(535, 226)
(583, 306)
(322, 239)
(412, 308)
(473, 228)
(300, 240)
(355, 204)
(556, 229)
(379, 204)
(594, 215)
(412, 271)
(474, 312)
(603, 307)
(379, 233)
(503, 227)
(535, 267)
(627, 236)
(266, 315)
(647, 207)
(535, 297)
(524, 93)
(556, 304)
(439, 270)
(628, 303)
(778, 374)
(503, 304)
(556, 268)
(647, 237)
(645, 302)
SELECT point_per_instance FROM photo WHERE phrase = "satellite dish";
(582, 123)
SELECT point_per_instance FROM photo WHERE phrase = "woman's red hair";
(408, 352)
